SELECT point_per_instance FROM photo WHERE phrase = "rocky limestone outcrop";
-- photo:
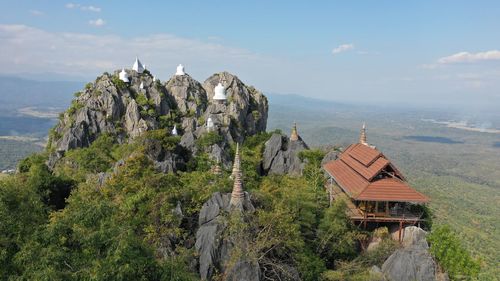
(214, 247)
(281, 155)
(412, 262)
(127, 110)
(246, 109)
(111, 106)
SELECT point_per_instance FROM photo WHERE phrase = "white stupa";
(210, 124)
(141, 86)
(123, 76)
(154, 78)
(220, 93)
(138, 66)
(174, 131)
(180, 70)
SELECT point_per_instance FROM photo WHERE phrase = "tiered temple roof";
(365, 174)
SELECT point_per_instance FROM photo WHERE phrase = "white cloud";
(27, 49)
(36, 13)
(91, 8)
(466, 57)
(97, 22)
(82, 7)
(72, 5)
(342, 48)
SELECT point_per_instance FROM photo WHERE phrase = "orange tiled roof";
(391, 189)
(356, 172)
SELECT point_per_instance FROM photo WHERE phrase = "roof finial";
(237, 194)
(362, 135)
(294, 136)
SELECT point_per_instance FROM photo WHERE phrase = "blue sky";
(404, 52)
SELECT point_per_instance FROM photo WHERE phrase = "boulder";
(413, 261)
(330, 156)
(281, 156)
(214, 248)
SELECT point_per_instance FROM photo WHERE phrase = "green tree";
(21, 214)
(451, 255)
(336, 234)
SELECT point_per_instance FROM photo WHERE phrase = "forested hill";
(144, 180)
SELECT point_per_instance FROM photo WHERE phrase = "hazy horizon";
(420, 54)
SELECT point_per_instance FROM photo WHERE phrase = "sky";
(442, 53)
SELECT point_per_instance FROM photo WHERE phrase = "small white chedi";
(180, 70)
(138, 66)
(210, 124)
(174, 131)
(220, 93)
(123, 76)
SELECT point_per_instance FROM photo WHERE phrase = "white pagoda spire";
(123, 76)
(138, 66)
(174, 131)
(180, 70)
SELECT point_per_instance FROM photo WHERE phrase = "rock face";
(413, 261)
(214, 247)
(127, 110)
(245, 112)
(281, 155)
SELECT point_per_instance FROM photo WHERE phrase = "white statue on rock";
(180, 70)
(123, 76)
(210, 124)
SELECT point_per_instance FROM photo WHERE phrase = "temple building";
(180, 70)
(138, 66)
(220, 93)
(123, 76)
(237, 195)
(373, 188)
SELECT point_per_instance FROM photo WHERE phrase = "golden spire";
(362, 135)
(294, 136)
(237, 162)
(216, 169)
(237, 194)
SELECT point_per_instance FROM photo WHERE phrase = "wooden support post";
(400, 229)
(386, 208)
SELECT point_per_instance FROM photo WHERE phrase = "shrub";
(208, 139)
(74, 107)
(451, 254)
(118, 83)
